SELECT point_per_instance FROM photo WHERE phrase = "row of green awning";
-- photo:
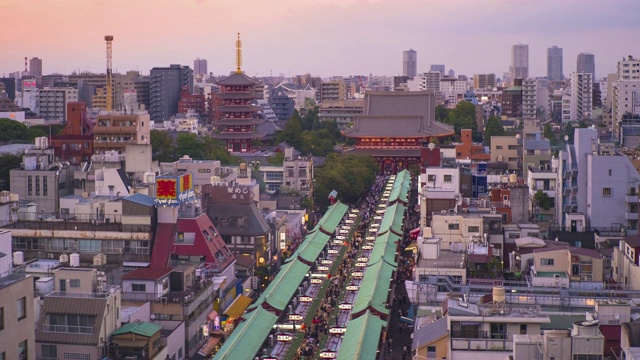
(245, 341)
(361, 338)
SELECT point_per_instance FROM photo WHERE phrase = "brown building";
(512, 100)
(394, 126)
(188, 101)
(468, 150)
(114, 131)
(75, 143)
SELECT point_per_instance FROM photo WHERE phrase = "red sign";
(166, 189)
(185, 183)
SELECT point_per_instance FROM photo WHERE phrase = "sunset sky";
(321, 37)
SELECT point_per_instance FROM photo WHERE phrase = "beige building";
(558, 265)
(332, 91)
(114, 131)
(76, 321)
(17, 317)
(626, 262)
(99, 100)
(507, 149)
(431, 341)
(343, 112)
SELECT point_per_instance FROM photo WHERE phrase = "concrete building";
(507, 149)
(440, 191)
(164, 89)
(626, 262)
(331, 91)
(79, 317)
(484, 81)
(409, 63)
(529, 98)
(40, 179)
(581, 96)
(17, 313)
(512, 100)
(114, 131)
(35, 67)
(598, 191)
(490, 327)
(586, 63)
(342, 112)
(200, 67)
(536, 153)
(519, 62)
(438, 67)
(554, 64)
(52, 102)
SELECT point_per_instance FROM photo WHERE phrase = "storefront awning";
(238, 306)
(208, 347)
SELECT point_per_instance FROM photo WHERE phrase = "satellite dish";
(566, 138)
(153, 316)
(635, 316)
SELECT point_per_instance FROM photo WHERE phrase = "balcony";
(630, 215)
(632, 199)
(69, 329)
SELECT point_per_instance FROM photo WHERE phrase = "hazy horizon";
(320, 37)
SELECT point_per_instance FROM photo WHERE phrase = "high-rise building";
(581, 96)
(483, 81)
(629, 69)
(410, 63)
(200, 67)
(519, 62)
(529, 104)
(554, 63)
(35, 67)
(586, 63)
(52, 102)
(437, 67)
(164, 90)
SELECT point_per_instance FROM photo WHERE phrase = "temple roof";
(398, 114)
(237, 79)
(238, 108)
(386, 152)
(238, 135)
(239, 122)
(236, 95)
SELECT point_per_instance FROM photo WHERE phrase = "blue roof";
(142, 199)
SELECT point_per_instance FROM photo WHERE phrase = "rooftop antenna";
(238, 55)
(109, 40)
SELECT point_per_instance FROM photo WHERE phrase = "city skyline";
(341, 38)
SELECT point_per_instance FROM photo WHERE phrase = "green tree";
(162, 146)
(549, 135)
(569, 132)
(493, 128)
(8, 162)
(349, 175)
(317, 143)
(276, 159)
(54, 129)
(215, 149)
(13, 130)
(544, 201)
(190, 144)
(442, 113)
(464, 117)
(292, 132)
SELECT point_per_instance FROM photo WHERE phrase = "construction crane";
(109, 40)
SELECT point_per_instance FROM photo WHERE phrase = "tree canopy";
(166, 149)
(493, 128)
(7, 163)
(349, 175)
(462, 117)
(14, 130)
(309, 135)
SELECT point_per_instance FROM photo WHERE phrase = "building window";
(89, 246)
(49, 351)
(204, 171)
(180, 353)
(454, 226)
(431, 178)
(29, 185)
(76, 356)
(22, 351)
(498, 147)
(547, 262)
(523, 329)
(447, 178)
(473, 228)
(610, 172)
(431, 352)
(139, 287)
(74, 283)
(44, 186)
(21, 308)
(606, 191)
(505, 217)
(37, 185)
(3, 355)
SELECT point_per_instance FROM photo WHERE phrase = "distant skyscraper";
(586, 63)
(437, 68)
(164, 90)
(519, 62)
(554, 63)
(200, 67)
(410, 63)
(452, 73)
(35, 67)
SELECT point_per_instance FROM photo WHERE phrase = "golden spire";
(238, 55)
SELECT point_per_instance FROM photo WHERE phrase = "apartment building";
(114, 131)
(52, 102)
(343, 112)
(581, 96)
(507, 149)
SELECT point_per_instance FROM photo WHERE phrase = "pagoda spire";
(238, 55)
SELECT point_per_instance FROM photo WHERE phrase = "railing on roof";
(101, 294)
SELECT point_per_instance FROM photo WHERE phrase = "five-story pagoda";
(234, 116)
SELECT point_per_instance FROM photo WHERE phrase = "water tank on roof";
(74, 260)
(18, 258)
(498, 294)
(14, 197)
(513, 178)
(64, 258)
